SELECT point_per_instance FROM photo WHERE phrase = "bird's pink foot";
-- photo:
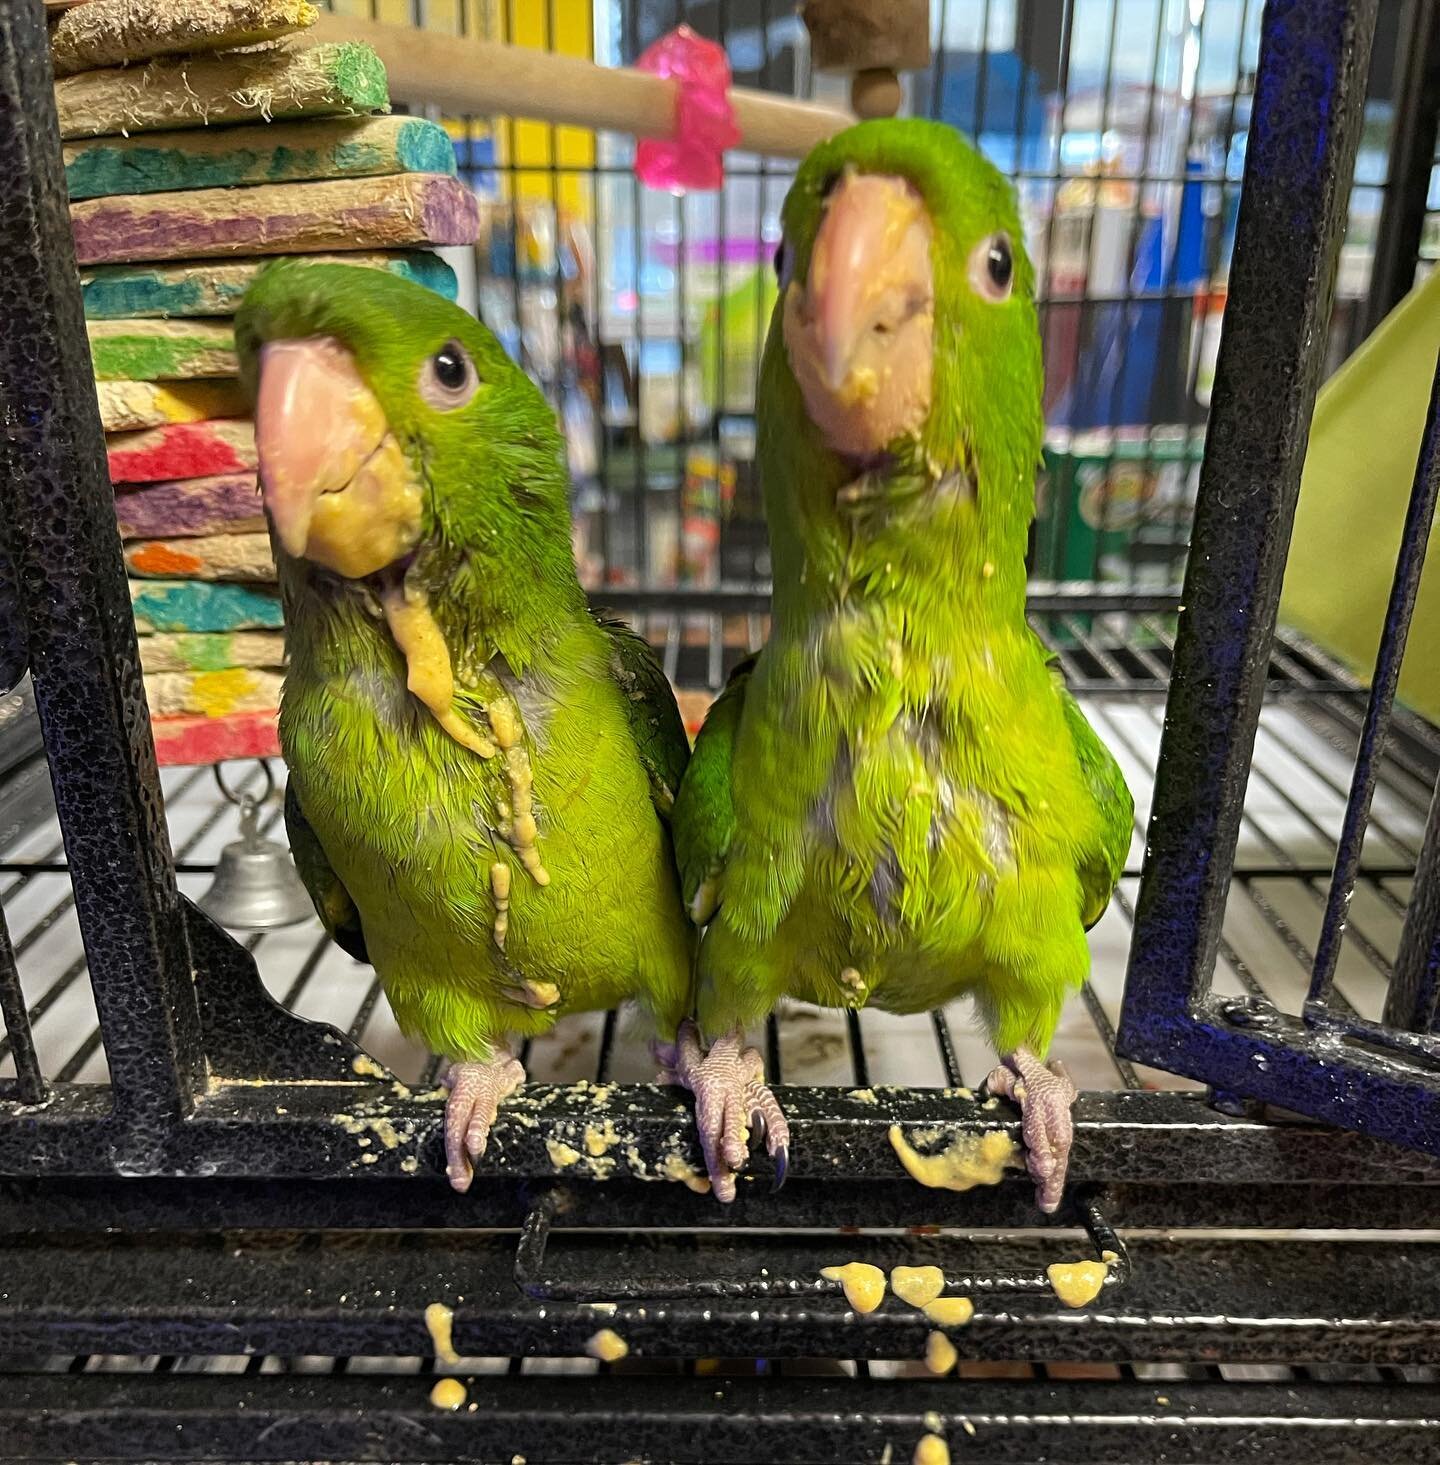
(731, 1099)
(475, 1093)
(1045, 1094)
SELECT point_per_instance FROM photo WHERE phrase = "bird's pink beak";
(337, 487)
(860, 332)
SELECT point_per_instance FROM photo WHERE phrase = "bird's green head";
(390, 424)
(906, 329)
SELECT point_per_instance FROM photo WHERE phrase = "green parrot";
(481, 773)
(898, 801)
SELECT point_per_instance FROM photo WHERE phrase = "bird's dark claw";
(781, 1154)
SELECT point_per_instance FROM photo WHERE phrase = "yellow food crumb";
(1076, 1283)
(439, 1323)
(940, 1354)
(447, 1394)
(672, 1167)
(597, 1141)
(863, 1096)
(864, 1285)
(607, 1345)
(950, 1312)
(500, 890)
(519, 827)
(410, 1164)
(429, 674)
(562, 1155)
(931, 1450)
(970, 1159)
(363, 1063)
(917, 1285)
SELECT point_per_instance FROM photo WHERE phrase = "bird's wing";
(336, 910)
(704, 821)
(1101, 867)
(655, 722)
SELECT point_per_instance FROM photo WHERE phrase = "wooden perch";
(481, 78)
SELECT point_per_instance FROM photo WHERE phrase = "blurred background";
(1123, 124)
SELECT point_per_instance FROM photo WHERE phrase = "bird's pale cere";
(339, 489)
(859, 331)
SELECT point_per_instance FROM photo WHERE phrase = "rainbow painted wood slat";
(211, 651)
(162, 350)
(198, 605)
(181, 450)
(212, 693)
(228, 503)
(169, 162)
(121, 32)
(325, 81)
(127, 406)
(286, 218)
(200, 740)
(241, 557)
(216, 287)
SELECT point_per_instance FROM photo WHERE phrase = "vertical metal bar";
(81, 633)
(1417, 117)
(1418, 518)
(1414, 989)
(30, 1082)
(1308, 112)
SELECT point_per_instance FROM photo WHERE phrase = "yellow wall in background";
(520, 23)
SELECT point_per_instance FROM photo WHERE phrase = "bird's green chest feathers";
(930, 783)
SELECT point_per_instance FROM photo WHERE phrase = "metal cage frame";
(221, 1112)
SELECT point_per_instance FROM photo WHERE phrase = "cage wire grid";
(1300, 1351)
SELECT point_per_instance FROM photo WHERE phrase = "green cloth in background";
(1364, 441)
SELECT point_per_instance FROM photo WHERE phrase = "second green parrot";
(481, 773)
(898, 802)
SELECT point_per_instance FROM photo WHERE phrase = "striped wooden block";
(212, 693)
(127, 406)
(197, 605)
(182, 741)
(243, 557)
(119, 32)
(181, 450)
(226, 504)
(325, 81)
(286, 218)
(166, 162)
(162, 350)
(216, 287)
(211, 651)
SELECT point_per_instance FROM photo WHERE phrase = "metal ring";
(240, 798)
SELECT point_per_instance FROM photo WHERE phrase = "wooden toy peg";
(874, 40)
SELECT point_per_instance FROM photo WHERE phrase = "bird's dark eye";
(999, 262)
(783, 261)
(992, 267)
(448, 378)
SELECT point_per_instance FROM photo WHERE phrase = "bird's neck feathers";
(512, 602)
(921, 537)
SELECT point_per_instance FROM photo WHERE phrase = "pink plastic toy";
(704, 120)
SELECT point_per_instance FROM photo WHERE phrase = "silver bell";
(256, 886)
